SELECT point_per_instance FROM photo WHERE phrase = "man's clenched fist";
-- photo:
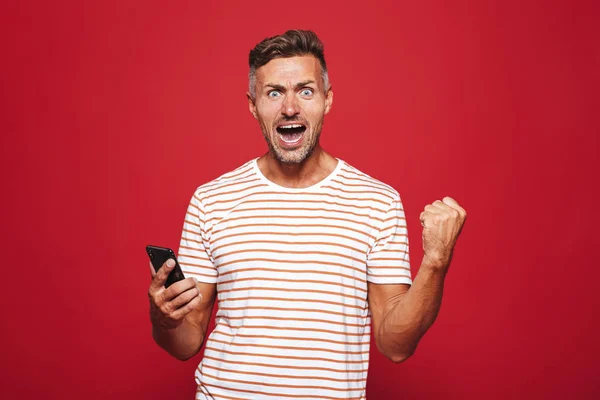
(442, 222)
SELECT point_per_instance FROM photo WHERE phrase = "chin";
(288, 160)
(292, 157)
(289, 156)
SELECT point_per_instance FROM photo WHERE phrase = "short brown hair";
(290, 44)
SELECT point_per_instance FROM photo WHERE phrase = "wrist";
(436, 262)
(161, 330)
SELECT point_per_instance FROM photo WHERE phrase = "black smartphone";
(158, 256)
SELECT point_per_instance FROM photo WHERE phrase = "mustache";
(290, 120)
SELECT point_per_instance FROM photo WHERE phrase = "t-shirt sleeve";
(194, 253)
(388, 260)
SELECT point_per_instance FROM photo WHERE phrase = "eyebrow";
(282, 88)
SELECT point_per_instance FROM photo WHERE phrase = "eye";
(274, 93)
(306, 92)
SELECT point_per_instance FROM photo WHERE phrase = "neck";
(312, 170)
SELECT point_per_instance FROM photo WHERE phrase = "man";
(306, 254)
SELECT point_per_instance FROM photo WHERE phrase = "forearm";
(182, 342)
(411, 315)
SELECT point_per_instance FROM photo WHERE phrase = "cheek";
(266, 124)
(314, 113)
(267, 112)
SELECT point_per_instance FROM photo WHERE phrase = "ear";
(328, 100)
(251, 105)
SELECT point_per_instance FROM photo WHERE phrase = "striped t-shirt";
(291, 268)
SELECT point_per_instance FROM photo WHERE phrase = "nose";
(290, 106)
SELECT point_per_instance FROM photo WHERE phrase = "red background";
(113, 112)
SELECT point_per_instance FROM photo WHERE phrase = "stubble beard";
(295, 156)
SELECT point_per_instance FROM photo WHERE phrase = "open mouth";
(291, 133)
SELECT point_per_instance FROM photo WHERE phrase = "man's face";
(290, 105)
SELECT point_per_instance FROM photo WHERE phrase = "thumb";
(423, 219)
(163, 273)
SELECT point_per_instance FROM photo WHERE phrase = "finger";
(186, 297)
(185, 310)
(440, 205)
(152, 271)
(179, 287)
(430, 208)
(454, 204)
(163, 273)
(444, 211)
(424, 217)
(450, 202)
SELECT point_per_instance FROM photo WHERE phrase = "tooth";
(290, 126)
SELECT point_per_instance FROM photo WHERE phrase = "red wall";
(113, 112)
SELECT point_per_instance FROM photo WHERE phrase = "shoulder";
(354, 178)
(241, 176)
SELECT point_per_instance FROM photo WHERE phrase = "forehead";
(291, 69)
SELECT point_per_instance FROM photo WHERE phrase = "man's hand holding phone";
(169, 306)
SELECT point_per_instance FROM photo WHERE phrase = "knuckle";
(183, 298)
(174, 317)
(153, 296)
(189, 307)
(190, 294)
(195, 303)
(190, 282)
(173, 304)
(183, 311)
(165, 308)
(158, 280)
(197, 300)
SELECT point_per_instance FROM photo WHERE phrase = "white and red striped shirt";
(291, 268)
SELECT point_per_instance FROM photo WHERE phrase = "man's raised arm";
(401, 314)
